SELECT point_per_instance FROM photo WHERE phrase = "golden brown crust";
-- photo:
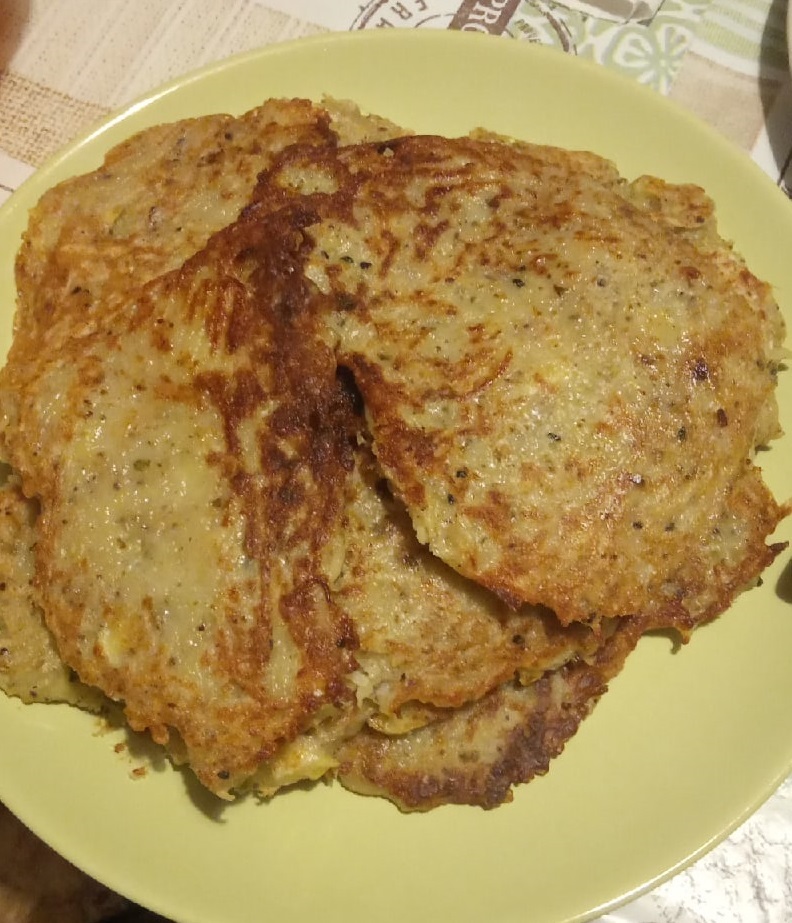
(560, 375)
(92, 242)
(154, 202)
(94, 239)
(427, 636)
(30, 667)
(202, 430)
(565, 376)
(478, 753)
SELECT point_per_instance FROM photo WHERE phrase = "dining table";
(65, 65)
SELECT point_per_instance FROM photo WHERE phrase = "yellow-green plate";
(684, 747)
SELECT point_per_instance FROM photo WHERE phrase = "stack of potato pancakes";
(339, 451)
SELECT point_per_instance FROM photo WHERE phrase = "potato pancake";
(191, 482)
(476, 754)
(429, 639)
(212, 554)
(340, 451)
(565, 375)
(93, 240)
(30, 667)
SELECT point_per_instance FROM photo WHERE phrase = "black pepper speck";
(700, 370)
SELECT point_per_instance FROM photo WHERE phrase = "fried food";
(371, 456)
(429, 644)
(91, 243)
(30, 667)
(156, 199)
(565, 375)
(190, 489)
(476, 754)
(93, 240)
(429, 639)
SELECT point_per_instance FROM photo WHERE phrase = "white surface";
(746, 879)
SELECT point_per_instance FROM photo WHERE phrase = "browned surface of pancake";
(479, 752)
(427, 636)
(30, 666)
(189, 459)
(156, 199)
(93, 240)
(565, 375)
(407, 651)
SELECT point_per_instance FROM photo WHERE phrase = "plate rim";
(330, 41)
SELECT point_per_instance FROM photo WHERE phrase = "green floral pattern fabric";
(738, 33)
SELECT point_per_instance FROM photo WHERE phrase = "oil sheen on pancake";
(211, 552)
(565, 375)
(92, 240)
(191, 484)
(313, 472)
(428, 643)
(156, 199)
(407, 661)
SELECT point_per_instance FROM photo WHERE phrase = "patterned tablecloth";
(65, 63)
